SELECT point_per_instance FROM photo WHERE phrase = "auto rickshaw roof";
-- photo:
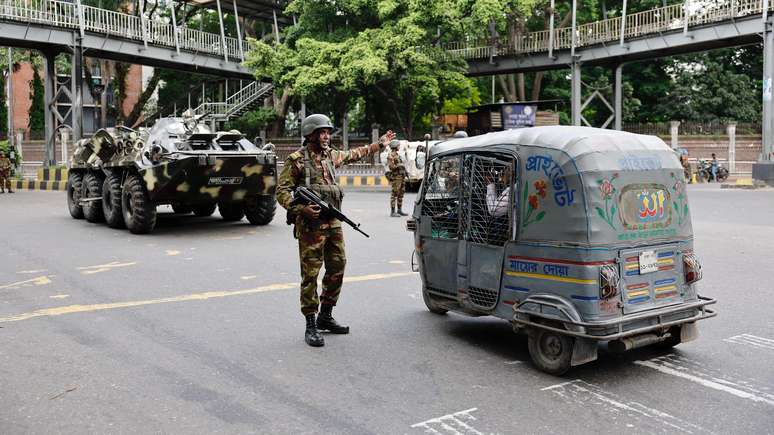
(574, 141)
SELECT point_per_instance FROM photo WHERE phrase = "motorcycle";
(704, 172)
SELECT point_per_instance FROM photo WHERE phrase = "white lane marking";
(90, 270)
(513, 363)
(751, 340)
(59, 296)
(41, 280)
(673, 366)
(644, 417)
(246, 277)
(396, 262)
(172, 252)
(450, 424)
(28, 272)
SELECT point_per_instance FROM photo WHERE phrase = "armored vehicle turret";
(121, 175)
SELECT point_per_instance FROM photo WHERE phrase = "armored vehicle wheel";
(181, 209)
(231, 211)
(550, 351)
(431, 305)
(74, 190)
(111, 201)
(139, 212)
(204, 210)
(260, 209)
(92, 188)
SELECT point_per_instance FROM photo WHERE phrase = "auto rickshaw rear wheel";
(431, 305)
(550, 351)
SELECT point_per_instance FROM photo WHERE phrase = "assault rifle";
(304, 196)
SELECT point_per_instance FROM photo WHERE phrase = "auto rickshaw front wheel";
(550, 351)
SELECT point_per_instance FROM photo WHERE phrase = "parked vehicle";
(414, 154)
(704, 171)
(574, 235)
(120, 175)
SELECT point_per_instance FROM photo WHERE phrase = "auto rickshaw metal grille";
(487, 192)
(442, 198)
(482, 298)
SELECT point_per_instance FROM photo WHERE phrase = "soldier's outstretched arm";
(341, 158)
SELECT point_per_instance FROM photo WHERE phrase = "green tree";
(38, 106)
(344, 51)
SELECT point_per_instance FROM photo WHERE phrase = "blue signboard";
(518, 115)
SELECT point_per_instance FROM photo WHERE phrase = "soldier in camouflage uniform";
(397, 177)
(5, 173)
(320, 241)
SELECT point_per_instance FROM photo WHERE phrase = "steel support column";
(623, 23)
(575, 94)
(174, 25)
(618, 96)
(143, 24)
(551, 31)
(222, 32)
(239, 32)
(76, 89)
(763, 169)
(49, 106)
(768, 102)
(9, 90)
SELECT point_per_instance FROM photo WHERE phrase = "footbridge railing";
(650, 22)
(156, 31)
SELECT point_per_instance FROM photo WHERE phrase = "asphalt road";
(196, 329)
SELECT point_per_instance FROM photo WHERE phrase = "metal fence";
(156, 30)
(639, 24)
(690, 128)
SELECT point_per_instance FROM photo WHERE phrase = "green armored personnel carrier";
(120, 175)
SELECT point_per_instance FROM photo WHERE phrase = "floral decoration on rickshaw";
(680, 204)
(608, 191)
(533, 202)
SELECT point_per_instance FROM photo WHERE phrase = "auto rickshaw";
(574, 235)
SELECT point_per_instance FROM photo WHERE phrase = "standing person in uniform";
(397, 180)
(5, 173)
(320, 241)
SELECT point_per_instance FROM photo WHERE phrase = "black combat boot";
(392, 212)
(312, 336)
(400, 212)
(326, 322)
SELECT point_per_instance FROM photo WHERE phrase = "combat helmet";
(312, 123)
(394, 143)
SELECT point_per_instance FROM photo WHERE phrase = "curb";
(58, 185)
(354, 182)
(364, 181)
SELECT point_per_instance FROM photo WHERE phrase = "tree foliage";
(377, 51)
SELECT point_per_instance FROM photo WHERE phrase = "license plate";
(648, 262)
(220, 181)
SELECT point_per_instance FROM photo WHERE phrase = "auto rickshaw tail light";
(609, 280)
(691, 268)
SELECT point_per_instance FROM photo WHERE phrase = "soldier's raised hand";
(386, 138)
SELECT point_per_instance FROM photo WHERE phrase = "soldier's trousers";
(5, 182)
(315, 248)
(398, 190)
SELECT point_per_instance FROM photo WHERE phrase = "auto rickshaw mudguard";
(557, 309)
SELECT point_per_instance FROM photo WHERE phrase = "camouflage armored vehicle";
(120, 175)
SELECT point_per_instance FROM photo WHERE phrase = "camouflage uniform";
(320, 241)
(397, 180)
(5, 173)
